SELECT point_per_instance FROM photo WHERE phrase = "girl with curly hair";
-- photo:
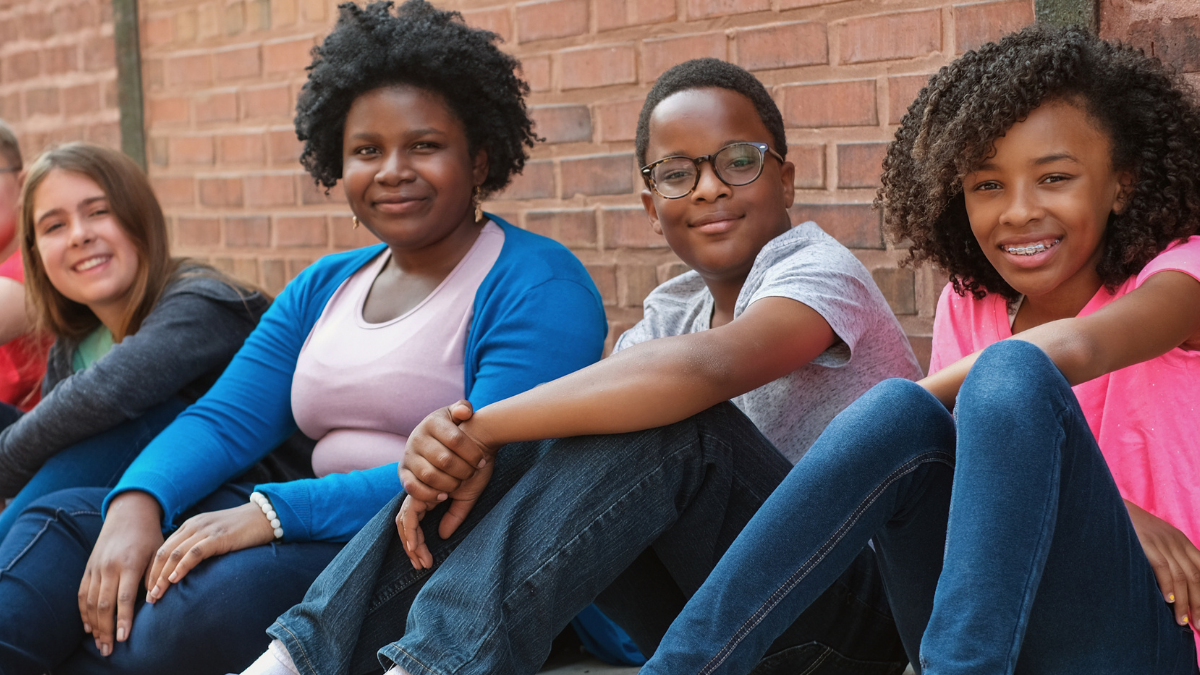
(1034, 500)
(418, 117)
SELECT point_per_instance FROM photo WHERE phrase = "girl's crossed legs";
(1042, 569)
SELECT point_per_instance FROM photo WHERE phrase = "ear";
(479, 166)
(651, 211)
(787, 174)
(1124, 192)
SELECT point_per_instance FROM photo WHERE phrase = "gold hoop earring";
(356, 222)
(478, 206)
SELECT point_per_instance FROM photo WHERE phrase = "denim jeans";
(210, 622)
(1042, 571)
(98, 461)
(633, 521)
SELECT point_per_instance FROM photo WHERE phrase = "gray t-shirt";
(808, 266)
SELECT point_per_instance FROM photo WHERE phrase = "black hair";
(1148, 112)
(704, 73)
(424, 47)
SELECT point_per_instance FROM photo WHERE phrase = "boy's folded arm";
(663, 380)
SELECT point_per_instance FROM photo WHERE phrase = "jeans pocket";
(815, 658)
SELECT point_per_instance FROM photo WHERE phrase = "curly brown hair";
(1147, 110)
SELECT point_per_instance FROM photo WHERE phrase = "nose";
(395, 169)
(80, 230)
(709, 188)
(1022, 207)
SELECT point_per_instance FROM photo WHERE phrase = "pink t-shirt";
(360, 388)
(1144, 416)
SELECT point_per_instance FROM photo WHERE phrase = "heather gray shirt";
(180, 349)
(806, 265)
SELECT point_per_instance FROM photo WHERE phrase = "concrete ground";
(587, 665)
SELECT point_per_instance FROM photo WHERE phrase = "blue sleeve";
(242, 417)
(540, 334)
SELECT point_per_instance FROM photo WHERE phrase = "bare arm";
(14, 319)
(1162, 314)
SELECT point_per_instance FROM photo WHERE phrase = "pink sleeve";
(1183, 257)
(13, 269)
(947, 347)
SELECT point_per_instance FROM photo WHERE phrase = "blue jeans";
(634, 522)
(1042, 571)
(96, 462)
(210, 622)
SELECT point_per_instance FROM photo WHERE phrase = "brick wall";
(58, 73)
(1168, 29)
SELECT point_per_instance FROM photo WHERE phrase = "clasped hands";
(443, 460)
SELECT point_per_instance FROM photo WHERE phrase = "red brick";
(784, 45)
(10, 107)
(598, 66)
(634, 283)
(166, 110)
(22, 66)
(287, 56)
(1177, 43)
(612, 14)
(221, 191)
(312, 193)
(242, 148)
(562, 123)
(551, 19)
(697, 9)
(535, 182)
(618, 121)
(59, 60)
(284, 12)
(980, 23)
(196, 150)
(234, 19)
(859, 164)
(495, 19)
(111, 95)
(285, 148)
(219, 106)
(575, 228)
(197, 231)
(830, 104)
(295, 231)
(174, 190)
(235, 63)
(855, 225)
(37, 25)
(535, 70)
(156, 151)
(297, 265)
(605, 278)
(903, 35)
(597, 175)
(99, 54)
(659, 54)
(107, 134)
(902, 91)
(345, 235)
(153, 74)
(156, 32)
(274, 275)
(81, 99)
(630, 228)
(9, 31)
(44, 101)
(270, 189)
(898, 287)
(191, 69)
(70, 19)
(809, 161)
(922, 346)
(270, 101)
(241, 231)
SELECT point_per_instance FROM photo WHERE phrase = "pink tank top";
(360, 388)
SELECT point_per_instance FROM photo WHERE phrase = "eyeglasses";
(10, 169)
(735, 164)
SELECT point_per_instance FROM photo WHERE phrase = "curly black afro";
(702, 73)
(1147, 111)
(424, 47)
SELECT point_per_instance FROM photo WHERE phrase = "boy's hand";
(1175, 560)
(412, 512)
(204, 536)
(439, 455)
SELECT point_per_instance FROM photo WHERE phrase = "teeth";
(89, 264)
(1028, 250)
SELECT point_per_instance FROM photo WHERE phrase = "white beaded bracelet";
(268, 511)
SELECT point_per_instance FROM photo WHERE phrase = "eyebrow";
(1040, 161)
(679, 153)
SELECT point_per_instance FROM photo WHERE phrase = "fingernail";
(1185, 620)
(1171, 598)
(121, 634)
(171, 576)
(87, 627)
(149, 599)
(442, 497)
(483, 462)
(105, 649)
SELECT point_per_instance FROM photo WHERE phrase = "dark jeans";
(633, 521)
(1042, 571)
(210, 622)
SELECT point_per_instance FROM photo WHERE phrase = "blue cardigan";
(537, 317)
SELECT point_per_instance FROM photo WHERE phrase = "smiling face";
(407, 170)
(85, 251)
(717, 230)
(1039, 205)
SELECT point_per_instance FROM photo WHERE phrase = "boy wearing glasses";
(648, 476)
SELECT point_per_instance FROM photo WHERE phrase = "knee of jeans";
(72, 500)
(897, 405)
(1008, 378)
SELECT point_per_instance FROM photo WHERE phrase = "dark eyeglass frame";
(648, 170)
(11, 169)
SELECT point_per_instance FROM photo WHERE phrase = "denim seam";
(38, 536)
(817, 664)
(761, 613)
(300, 646)
(424, 666)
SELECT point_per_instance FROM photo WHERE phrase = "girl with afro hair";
(417, 117)
(1034, 502)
